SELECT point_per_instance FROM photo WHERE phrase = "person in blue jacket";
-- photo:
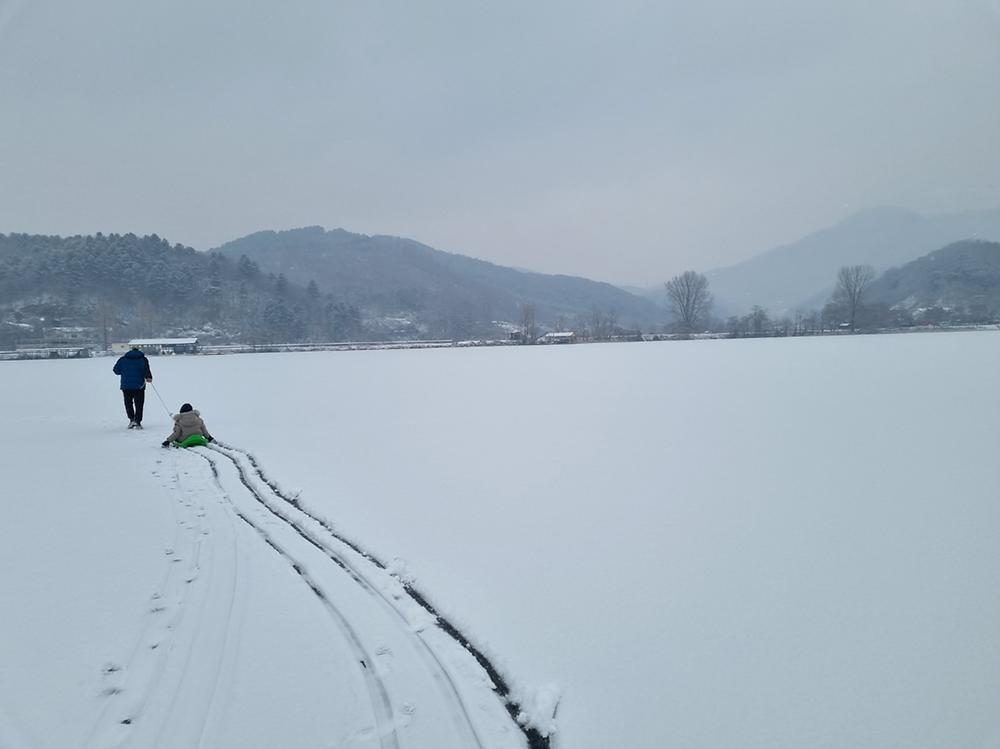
(133, 368)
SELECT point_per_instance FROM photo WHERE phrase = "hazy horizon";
(622, 143)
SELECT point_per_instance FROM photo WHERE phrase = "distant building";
(49, 351)
(564, 336)
(159, 345)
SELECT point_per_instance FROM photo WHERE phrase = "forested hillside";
(961, 280)
(300, 285)
(112, 287)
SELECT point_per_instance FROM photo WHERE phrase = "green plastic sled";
(194, 439)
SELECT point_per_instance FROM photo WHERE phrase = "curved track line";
(452, 693)
(534, 738)
(232, 640)
(382, 708)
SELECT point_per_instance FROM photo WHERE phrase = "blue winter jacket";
(134, 370)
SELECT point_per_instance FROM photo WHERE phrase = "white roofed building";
(160, 345)
(564, 336)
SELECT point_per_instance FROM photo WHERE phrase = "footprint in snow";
(111, 679)
(383, 660)
(365, 737)
(405, 717)
(157, 607)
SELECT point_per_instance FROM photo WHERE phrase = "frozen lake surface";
(759, 543)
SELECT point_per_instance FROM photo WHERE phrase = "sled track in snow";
(535, 740)
(451, 694)
(378, 693)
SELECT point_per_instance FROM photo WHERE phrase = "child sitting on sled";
(189, 429)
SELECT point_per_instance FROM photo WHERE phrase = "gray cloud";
(622, 141)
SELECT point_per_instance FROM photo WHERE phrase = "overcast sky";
(624, 141)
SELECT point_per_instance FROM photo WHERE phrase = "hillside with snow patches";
(961, 275)
(446, 291)
(757, 543)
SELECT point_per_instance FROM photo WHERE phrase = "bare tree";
(852, 282)
(831, 316)
(736, 326)
(596, 324)
(799, 322)
(104, 317)
(603, 324)
(147, 318)
(812, 322)
(759, 321)
(529, 328)
(689, 299)
(612, 319)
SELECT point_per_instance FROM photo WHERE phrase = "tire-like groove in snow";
(452, 693)
(378, 694)
(534, 737)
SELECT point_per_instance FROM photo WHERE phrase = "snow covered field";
(760, 543)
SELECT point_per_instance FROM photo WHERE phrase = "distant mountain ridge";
(394, 276)
(802, 274)
(311, 284)
(299, 285)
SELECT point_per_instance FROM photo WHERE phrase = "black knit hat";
(186, 407)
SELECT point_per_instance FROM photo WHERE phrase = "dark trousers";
(133, 404)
